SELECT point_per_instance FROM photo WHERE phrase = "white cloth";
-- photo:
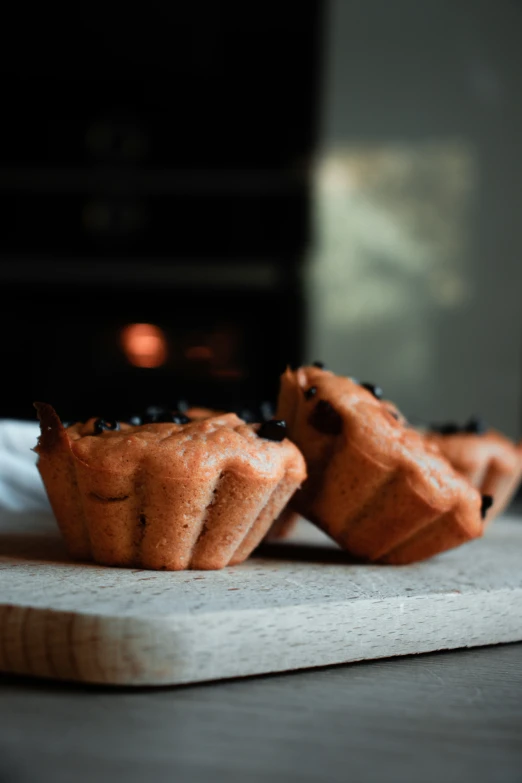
(21, 488)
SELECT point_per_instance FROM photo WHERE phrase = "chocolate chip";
(320, 365)
(266, 409)
(475, 426)
(375, 390)
(487, 502)
(246, 414)
(156, 414)
(260, 411)
(105, 424)
(311, 392)
(179, 418)
(324, 418)
(275, 429)
(446, 429)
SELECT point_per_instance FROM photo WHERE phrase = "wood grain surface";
(298, 605)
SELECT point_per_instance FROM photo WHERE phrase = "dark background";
(267, 184)
(154, 168)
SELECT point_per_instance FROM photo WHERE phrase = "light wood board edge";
(166, 651)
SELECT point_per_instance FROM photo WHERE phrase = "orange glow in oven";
(144, 345)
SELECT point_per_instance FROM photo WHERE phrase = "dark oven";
(154, 193)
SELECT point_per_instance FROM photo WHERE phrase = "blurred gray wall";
(415, 276)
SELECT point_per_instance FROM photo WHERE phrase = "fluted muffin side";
(373, 483)
(165, 496)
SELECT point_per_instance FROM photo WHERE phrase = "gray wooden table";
(442, 717)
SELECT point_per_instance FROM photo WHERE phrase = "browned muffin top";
(173, 450)
(320, 406)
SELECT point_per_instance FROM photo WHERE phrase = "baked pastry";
(488, 459)
(374, 485)
(166, 495)
(286, 523)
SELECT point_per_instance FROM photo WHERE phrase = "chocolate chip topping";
(260, 411)
(311, 392)
(475, 426)
(487, 502)
(320, 365)
(156, 414)
(180, 418)
(266, 409)
(446, 429)
(246, 414)
(375, 390)
(105, 424)
(275, 429)
(324, 418)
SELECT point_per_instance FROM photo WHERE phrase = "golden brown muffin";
(166, 495)
(286, 523)
(374, 485)
(489, 460)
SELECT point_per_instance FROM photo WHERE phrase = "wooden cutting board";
(297, 605)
